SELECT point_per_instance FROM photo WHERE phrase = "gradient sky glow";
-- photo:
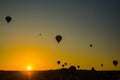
(80, 22)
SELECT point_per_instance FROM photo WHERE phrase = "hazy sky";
(80, 22)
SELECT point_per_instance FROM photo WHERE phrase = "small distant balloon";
(8, 19)
(93, 69)
(65, 63)
(58, 38)
(78, 66)
(91, 45)
(115, 62)
(40, 34)
(101, 65)
(58, 62)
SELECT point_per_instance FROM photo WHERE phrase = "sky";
(29, 39)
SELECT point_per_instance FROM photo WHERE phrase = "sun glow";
(29, 68)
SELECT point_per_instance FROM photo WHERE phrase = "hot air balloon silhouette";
(102, 65)
(78, 66)
(65, 64)
(40, 34)
(8, 19)
(93, 69)
(58, 62)
(72, 69)
(115, 62)
(91, 45)
(58, 38)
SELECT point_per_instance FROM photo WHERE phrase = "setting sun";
(28, 68)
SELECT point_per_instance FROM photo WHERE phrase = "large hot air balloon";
(8, 19)
(58, 38)
(115, 62)
(72, 69)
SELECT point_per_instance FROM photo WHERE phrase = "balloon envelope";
(8, 19)
(91, 45)
(115, 62)
(101, 65)
(78, 66)
(40, 34)
(58, 62)
(58, 38)
(65, 63)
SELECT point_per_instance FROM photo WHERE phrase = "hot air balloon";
(93, 69)
(91, 45)
(101, 65)
(58, 38)
(65, 64)
(58, 62)
(8, 19)
(115, 62)
(72, 69)
(78, 66)
(40, 34)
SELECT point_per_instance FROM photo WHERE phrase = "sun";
(29, 68)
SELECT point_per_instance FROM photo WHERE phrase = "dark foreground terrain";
(62, 74)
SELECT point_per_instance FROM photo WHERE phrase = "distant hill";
(60, 74)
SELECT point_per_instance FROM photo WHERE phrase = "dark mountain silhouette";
(60, 74)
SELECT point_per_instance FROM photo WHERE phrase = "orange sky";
(80, 23)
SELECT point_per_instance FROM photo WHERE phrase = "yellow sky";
(80, 23)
